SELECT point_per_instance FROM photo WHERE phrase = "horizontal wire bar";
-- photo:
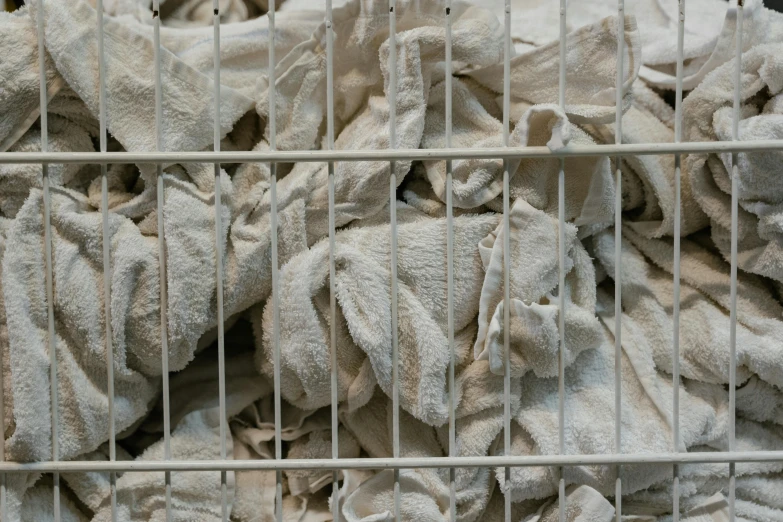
(395, 463)
(324, 156)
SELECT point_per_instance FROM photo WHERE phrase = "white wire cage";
(224, 465)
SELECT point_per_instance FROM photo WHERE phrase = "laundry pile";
(363, 326)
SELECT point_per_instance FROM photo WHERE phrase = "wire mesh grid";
(618, 458)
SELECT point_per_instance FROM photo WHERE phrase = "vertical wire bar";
(507, 259)
(676, 296)
(219, 265)
(275, 274)
(332, 291)
(48, 260)
(106, 258)
(450, 274)
(734, 234)
(618, 233)
(393, 222)
(561, 273)
(164, 335)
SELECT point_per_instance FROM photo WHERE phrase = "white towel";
(364, 322)
(589, 190)
(708, 112)
(704, 312)
(79, 325)
(16, 180)
(648, 180)
(20, 72)
(589, 413)
(710, 26)
(195, 436)
(424, 492)
(187, 95)
(591, 71)
(534, 312)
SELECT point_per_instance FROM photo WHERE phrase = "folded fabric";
(364, 314)
(534, 337)
(704, 309)
(708, 117)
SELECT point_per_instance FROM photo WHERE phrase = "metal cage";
(618, 458)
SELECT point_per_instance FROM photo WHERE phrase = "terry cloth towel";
(590, 389)
(704, 313)
(195, 436)
(16, 180)
(591, 71)
(361, 91)
(187, 95)
(360, 70)
(648, 180)
(534, 311)
(589, 190)
(244, 46)
(19, 69)
(758, 493)
(424, 493)
(364, 314)
(79, 325)
(708, 115)
(710, 26)
(302, 195)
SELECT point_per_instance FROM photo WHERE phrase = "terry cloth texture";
(366, 194)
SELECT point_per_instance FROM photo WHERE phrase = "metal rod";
(47, 200)
(275, 269)
(734, 239)
(332, 289)
(321, 156)
(124, 466)
(393, 221)
(450, 271)
(507, 258)
(561, 86)
(618, 233)
(219, 263)
(676, 289)
(106, 258)
(162, 258)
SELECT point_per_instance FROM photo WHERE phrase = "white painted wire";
(454, 153)
(393, 221)
(162, 258)
(618, 235)
(506, 258)
(275, 268)
(219, 262)
(561, 86)
(332, 290)
(450, 272)
(734, 238)
(47, 200)
(676, 289)
(106, 258)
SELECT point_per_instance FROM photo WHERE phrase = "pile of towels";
(362, 283)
